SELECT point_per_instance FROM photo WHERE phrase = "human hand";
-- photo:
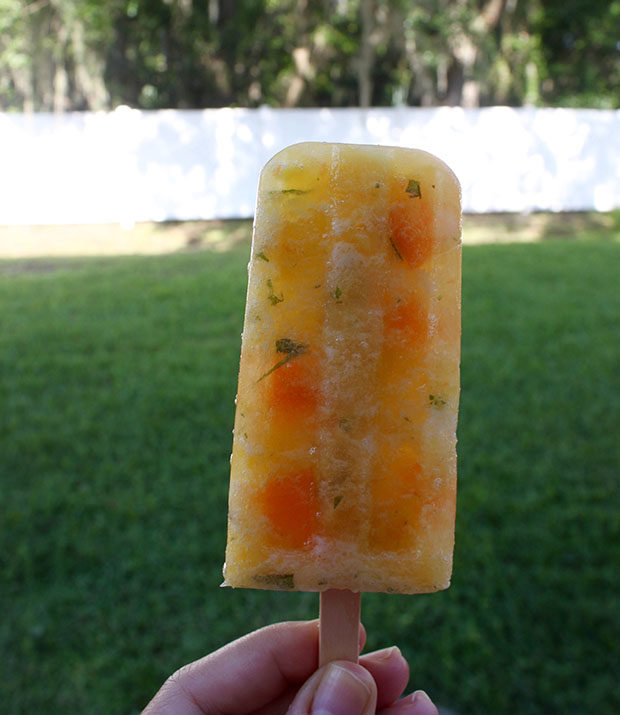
(273, 671)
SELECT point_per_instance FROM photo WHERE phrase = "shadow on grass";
(31, 243)
(537, 227)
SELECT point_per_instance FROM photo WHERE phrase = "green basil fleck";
(290, 192)
(396, 251)
(413, 189)
(290, 349)
(346, 424)
(273, 297)
(276, 580)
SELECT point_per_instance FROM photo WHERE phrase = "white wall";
(130, 165)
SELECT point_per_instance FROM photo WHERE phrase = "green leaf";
(273, 297)
(396, 251)
(413, 189)
(291, 350)
(276, 580)
(346, 424)
(290, 347)
(291, 192)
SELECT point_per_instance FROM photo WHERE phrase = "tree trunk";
(463, 89)
(301, 58)
(88, 71)
(60, 80)
(366, 58)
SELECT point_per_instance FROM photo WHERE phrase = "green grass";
(117, 381)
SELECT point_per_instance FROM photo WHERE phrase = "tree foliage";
(58, 55)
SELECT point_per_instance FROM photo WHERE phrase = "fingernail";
(420, 697)
(421, 704)
(386, 653)
(340, 692)
(417, 703)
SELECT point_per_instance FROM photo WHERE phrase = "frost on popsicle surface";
(343, 470)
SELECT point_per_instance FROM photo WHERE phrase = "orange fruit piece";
(408, 320)
(290, 503)
(398, 495)
(411, 230)
(293, 387)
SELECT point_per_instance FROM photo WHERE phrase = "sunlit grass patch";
(117, 383)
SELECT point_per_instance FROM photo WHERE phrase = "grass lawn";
(117, 381)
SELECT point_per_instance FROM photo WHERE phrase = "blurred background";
(131, 136)
(63, 55)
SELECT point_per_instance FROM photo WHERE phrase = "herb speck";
(290, 349)
(413, 189)
(273, 297)
(396, 251)
(276, 580)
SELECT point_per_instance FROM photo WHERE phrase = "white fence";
(129, 165)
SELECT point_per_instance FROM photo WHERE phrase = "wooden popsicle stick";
(339, 626)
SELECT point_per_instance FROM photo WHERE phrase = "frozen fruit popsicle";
(343, 472)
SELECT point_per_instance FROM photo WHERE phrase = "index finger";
(243, 675)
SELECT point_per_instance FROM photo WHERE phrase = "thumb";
(338, 688)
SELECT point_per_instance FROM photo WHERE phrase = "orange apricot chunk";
(408, 320)
(398, 496)
(411, 231)
(290, 503)
(293, 387)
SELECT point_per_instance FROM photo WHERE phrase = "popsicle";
(343, 470)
